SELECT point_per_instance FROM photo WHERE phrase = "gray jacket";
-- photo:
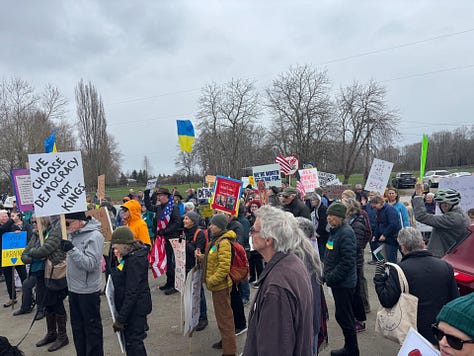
(448, 228)
(84, 261)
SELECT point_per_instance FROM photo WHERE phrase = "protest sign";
(13, 245)
(204, 193)
(416, 344)
(101, 187)
(270, 173)
(109, 294)
(226, 195)
(325, 178)
(58, 185)
(205, 210)
(179, 249)
(464, 185)
(378, 176)
(252, 181)
(309, 179)
(102, 214)
(192, 300)
(151, 184)
(210, 179)
(334, 192)
(245, 181)
(21, 181)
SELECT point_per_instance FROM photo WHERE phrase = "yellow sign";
(210, 179)
(205, 210)
(13, 245)
(12, 257)
(252, 181)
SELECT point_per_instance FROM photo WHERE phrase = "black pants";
(255, 265)
(237, 308)
(86, 324)
(357, 301)
(8, 273)
(134, 333)
(169, 263)
(35, 279)
(345, 317)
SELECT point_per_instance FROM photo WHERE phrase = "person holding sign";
(132, 292)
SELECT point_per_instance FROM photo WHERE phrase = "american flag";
(157, 257)
(299, 186)
(285, 166)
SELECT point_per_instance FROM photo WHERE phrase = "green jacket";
(51, 248)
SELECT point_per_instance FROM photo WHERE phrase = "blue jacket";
(388, 224)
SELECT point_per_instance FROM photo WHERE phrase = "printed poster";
(309, 179)
(13, 245)
(21, 181)
(179, 249)
(227, 192)
(270, 173)
(378, 176)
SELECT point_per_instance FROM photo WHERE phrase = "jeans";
(244, 289)
(34, 279)
(391, 252)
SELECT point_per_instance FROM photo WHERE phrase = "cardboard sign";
(101, 187)
(210, 179)
(58, 185)
(309, 179)
(13, 245)
(204, 193)
(464, 185)
(151, 184)
(102, 214)
(227, 192)
(21, 181)
(179, 249)
(192, 300)
(334, 192)
(325, 178)
(378, 176)
(270, 173)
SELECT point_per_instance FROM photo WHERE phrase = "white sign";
(151, 184)
(326, 178)
(179, 249)
(270, 173)
(192, 301)
(109, 294)
(309, 178)
(58, 185)
(204, 193)
(378, 176)
(415, 344)
(245, 181)
(464, 185)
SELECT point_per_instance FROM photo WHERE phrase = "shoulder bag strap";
(401, 276)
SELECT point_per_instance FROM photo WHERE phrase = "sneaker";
(22, 311)
(171, 291)
(217, 345)
(201, 325)
(255, 285)
(360, 326)
(9, 303)
(240, 331)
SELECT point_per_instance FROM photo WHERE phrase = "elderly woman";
(419, 267)
(455, 327)
(319, 219)
(132, 292)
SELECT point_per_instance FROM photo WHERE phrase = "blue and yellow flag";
(50, 143)
(185, 135)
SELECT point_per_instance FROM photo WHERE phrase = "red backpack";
(239, 266)
(206, 235)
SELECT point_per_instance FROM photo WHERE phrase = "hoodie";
(136, 223)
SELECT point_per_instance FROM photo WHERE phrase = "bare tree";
(300, 103)
(364, 123)
(99, 150)
(186, 163)
(227, 123)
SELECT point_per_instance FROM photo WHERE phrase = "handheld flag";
(285, 166)
(50, 143)
(424, 151)
(185, 135)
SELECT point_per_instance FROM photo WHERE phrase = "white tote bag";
(394, 323)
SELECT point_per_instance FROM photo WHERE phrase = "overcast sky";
(149, 59)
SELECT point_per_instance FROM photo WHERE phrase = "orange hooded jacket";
(136, 223)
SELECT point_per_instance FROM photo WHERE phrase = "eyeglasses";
(453, 341)
(254, 231)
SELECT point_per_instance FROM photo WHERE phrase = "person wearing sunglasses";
(454, 329)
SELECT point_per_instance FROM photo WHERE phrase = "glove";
(66, 245)
(118, 327)
(380, 267)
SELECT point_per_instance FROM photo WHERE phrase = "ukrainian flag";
(50, 143)
(185, 135)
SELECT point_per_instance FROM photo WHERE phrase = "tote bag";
(55, 275)
(394, 323)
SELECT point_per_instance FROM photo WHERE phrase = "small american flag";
(166, 215)
(285, 166)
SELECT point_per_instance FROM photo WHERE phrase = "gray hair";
(189, 205)
(430, 194)
(352, 205)
(411, 238)
(283, 228)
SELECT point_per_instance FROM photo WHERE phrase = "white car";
(432, 177)
(459, 174)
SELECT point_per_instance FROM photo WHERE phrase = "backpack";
(239, 265)
(206, 236)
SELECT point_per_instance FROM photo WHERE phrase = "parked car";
(460, 257)
(404, 180)
(459, 174)
(432, 177)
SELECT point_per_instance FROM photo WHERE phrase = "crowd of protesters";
(294, 244)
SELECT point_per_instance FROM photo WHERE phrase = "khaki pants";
(225, 320)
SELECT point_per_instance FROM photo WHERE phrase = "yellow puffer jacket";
(218, 259)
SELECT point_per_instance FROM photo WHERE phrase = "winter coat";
(448, 229)
(246, 235)
(357, 222)
(281, 318)
(136, 223)
(51, 248)
(218, 260)
(36, 264)
(340, 263)
(191, 245)
(132, 292)
(403, 213)
(84, 261)
(171, 230)
(429, 278)
(298, 208)
(388, 224)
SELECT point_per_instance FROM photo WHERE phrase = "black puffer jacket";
(132, 292)
(298, 208)
(357, 222)
(429, 278)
